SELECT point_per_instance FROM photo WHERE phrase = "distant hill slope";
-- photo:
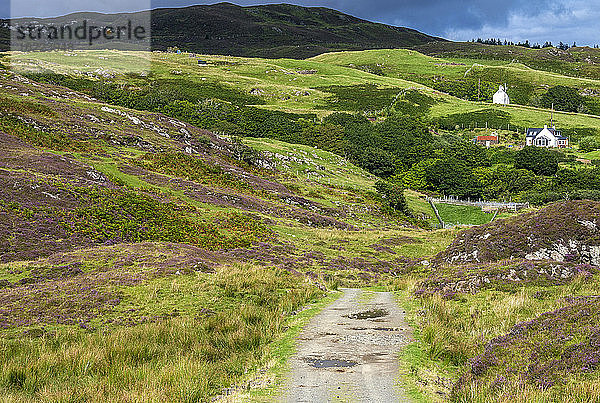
(273, 31)
(576, 62)
(279, 30)
(4, 35)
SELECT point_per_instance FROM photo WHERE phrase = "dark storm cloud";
(431, 16)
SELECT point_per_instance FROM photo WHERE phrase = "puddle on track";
(370, 314)
(317, 363)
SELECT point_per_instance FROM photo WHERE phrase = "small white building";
(547, 137)
(501, 97)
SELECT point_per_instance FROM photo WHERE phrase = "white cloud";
(568, 21)
(55, 8)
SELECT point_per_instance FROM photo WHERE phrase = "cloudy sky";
(517, 20)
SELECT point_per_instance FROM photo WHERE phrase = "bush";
(540, 161)
(589, 143)
(493, 118)
(541, 198)
(377, 161)
(244, 153)
(585, 194)
(393, 196)
(571, 179)
(452, 177)
(505, 180)
(359, 98)
(563, 99)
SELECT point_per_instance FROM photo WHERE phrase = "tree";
(393, 196)
(472, 155)
(504, 181)
(326, 136)
(452, 177)
(416, 177)
(377, 161)
(571, 179)
(540, 161)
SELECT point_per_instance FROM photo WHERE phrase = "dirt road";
(348, 352)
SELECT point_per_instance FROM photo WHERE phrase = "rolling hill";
(575, 62)
(130, 231)
(332, 82)
(272, 31)
(165, 234)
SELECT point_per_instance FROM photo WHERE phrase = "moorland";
(164, 232)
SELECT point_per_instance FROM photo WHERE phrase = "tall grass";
(455, 331)
(186, 358)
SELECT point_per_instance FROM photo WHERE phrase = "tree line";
(526, 44)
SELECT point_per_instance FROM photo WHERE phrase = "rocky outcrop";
(565, 232)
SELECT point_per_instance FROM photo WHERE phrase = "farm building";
(487, 141)
(547, 137)
(501, 97)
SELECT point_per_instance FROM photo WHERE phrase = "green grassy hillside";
(177, 260)
(475, 80)
(414, 66)
(324, 84)
(162, 234)
(575, 62)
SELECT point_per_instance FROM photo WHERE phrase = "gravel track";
(348, 352)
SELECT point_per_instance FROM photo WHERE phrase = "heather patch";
(159, 256)
(567, 232)
(544, 350)
(46, 217)
(116, 216)
(399, 240)
(504, 275)
(67, 121)
(38, 274)
(194, 169)
(28, 227)
(385, 244)
(15, 154)
(279, 205)
(347, 270)
(75, 299)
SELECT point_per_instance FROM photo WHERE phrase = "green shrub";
(192, 168)
(589, 143)
(540, 161)
(490, 117)
(359, 98)
(563, 99)
(393, 196)
(118, 215)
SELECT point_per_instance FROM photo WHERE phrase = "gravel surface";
(344, 359)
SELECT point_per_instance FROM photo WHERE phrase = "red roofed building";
(486, 141)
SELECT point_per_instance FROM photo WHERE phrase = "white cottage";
(547, 137)
(501, 97)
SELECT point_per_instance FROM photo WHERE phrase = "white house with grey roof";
(547, 137)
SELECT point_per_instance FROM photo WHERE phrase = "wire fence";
(484, 205)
